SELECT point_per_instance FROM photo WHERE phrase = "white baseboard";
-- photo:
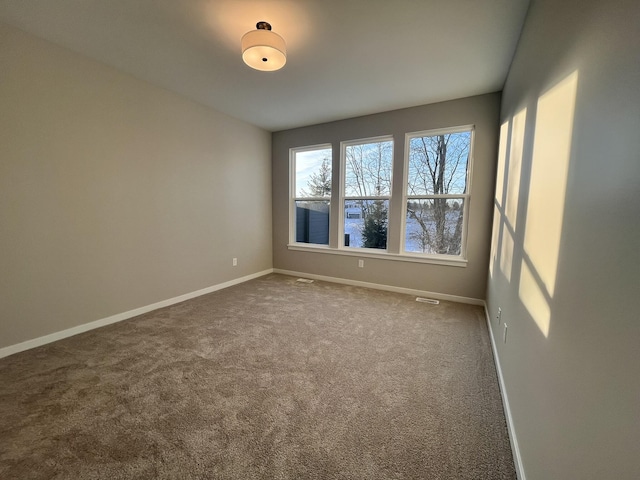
(36, 342)
(388, 288)
(517, 458)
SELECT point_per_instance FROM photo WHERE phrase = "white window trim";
(404, 256)
(466, 196)
(292, 190)
(343, 164)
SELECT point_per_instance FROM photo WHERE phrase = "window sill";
(370, 253)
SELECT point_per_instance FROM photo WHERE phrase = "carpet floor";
(270, 379)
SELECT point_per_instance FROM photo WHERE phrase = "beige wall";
(565, 267)
(115, 194)
(470, 281)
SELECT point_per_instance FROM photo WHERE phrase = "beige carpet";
(271, 379)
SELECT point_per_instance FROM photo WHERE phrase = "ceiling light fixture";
(263, 49)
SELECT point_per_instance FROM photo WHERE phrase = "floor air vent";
(304, 280)
(427, 300)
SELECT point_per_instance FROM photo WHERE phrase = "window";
(424, 220)
(311, 187)
(437, 191)
(366, 188)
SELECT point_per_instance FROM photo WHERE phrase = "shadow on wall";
(528, 219)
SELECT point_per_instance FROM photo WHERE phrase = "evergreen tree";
(374, 234)
(320, 182)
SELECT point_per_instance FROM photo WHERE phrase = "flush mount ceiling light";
(263, 49)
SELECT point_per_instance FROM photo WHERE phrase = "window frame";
(343, 198)
(293, 198)
(335, 245)
(462, 257)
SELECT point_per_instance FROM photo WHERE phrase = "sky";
(308, 163)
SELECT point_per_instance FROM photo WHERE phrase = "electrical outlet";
(235, 262)
(499, 315)
(504, 335)
(360, 263)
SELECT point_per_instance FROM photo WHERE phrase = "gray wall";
(115, 194)
(565, 267)
(470, 281)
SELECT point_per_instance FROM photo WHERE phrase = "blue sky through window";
(307, 163)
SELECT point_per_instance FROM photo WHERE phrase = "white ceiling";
(345, 57)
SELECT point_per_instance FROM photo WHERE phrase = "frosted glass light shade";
(264, 50)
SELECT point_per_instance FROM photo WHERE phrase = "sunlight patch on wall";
(495, 239)
(502, 161)
(534, 300)
(515, 166)
(506, 252)
(548, 184)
